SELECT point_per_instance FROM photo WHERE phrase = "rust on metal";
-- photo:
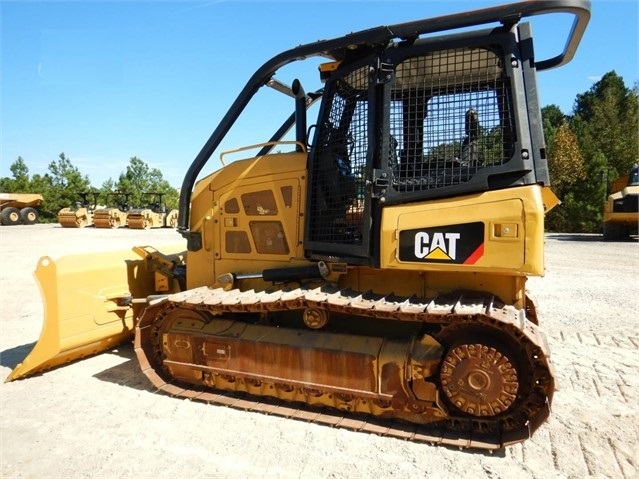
(423, 388)
(479, 380)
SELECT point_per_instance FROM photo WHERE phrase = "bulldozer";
(19, 208)
(154, 215)
(81, 215)
(621, 209)
(373, 275)
(115, 215)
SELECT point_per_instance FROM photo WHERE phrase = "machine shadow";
(10, 358)
(127, 373)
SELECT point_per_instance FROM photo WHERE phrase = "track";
(510, 414)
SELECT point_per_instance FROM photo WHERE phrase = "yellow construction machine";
(621, 210)
(82, 214)
(115, 215)
(374, 276)
(19, 208)
(154, 215)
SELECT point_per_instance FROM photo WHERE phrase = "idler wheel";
(315, 318)
(479, 380)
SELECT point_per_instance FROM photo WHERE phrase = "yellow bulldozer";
(19, 208)
(368, 273)
(80, 215)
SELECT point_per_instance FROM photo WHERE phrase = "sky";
(103, 81)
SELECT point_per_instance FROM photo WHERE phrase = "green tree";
(66, 183)
(581, 211)
(20, 175)
(107, 191)
(606, 127)
(59, 187)
(566, 162)
(65, 175)
(139, 179)
(553, 116)
(567, 169)
(552, 119)
(19, 183)
(610, 112)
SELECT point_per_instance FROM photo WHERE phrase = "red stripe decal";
(478, 253)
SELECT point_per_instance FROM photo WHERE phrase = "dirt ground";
(99, 417)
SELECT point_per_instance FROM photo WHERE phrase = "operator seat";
(469, 150)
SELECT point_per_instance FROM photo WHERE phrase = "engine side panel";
(249, 216)
(498, 232)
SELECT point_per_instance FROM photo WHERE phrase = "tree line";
(586, 150)
(63, 184)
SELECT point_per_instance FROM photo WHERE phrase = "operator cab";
(416, 121)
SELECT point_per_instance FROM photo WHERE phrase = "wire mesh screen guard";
(340, 166)
(450, 115)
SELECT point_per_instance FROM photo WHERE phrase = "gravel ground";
(99, 417)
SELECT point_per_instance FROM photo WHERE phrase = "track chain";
(451, 311)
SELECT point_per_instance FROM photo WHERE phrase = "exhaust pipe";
(300, 114)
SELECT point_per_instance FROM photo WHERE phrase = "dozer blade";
(87, 306)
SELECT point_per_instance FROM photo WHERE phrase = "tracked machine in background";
(115, 215)
(154, 215)
(81, 215)
(378, 270)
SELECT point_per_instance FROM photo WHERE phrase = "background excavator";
(378, 269)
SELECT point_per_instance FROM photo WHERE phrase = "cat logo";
(443, 245)
(459, 244)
